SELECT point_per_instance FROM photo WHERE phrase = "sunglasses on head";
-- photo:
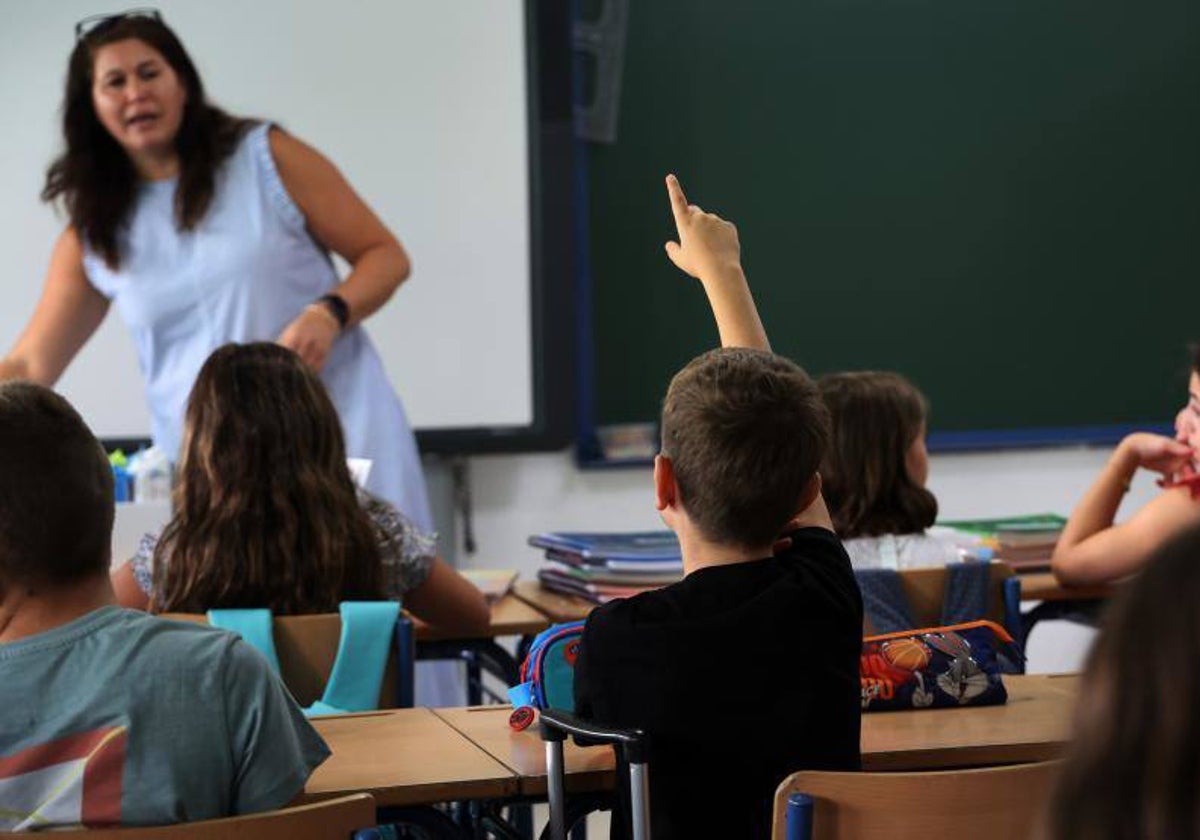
(94, 24)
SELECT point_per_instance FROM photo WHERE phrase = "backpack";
(548, 672)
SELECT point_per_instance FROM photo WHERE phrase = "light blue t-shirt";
(123, 718)
(243, 274)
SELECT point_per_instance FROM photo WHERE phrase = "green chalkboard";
(999, 199)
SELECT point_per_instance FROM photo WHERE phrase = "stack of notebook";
(604, 567)
(1024, 542)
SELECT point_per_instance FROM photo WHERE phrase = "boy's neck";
(699, 553)
(25, 611)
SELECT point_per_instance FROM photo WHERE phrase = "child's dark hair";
(1133, 768)
(56, 492)
(745, 431)
(266, 514)
(875, 418)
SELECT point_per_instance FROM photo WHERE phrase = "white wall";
(516, 495)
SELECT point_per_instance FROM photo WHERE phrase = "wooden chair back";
(333, 819)
(307, 646)
(991, 803)
(926, 588)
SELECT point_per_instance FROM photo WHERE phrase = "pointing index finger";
(679, 205)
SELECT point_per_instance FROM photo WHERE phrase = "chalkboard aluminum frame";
(589, 452)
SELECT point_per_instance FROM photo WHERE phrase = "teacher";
(205, 229)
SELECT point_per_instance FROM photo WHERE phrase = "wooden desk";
(1043, 586)
(524, 753)
(1033, 726)
(404, 757)
(556, 607)
(511, 616)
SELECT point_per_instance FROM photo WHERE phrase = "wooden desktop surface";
(524, 753)
(511, 616)
(404, 757)
(556, 607)
(1033, 726)
(1043, 586)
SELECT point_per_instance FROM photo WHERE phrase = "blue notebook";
(660, 547)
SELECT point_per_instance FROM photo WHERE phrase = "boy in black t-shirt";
(747, 669)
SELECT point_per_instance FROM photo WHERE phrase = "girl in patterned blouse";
(267, 515)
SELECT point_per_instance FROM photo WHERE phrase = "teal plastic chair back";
(368, 629)
(256, 627)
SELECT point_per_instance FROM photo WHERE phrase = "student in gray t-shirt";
(109, 716)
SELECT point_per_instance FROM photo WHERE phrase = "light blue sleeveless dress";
(243, 274)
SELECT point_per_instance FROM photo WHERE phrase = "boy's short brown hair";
(745, 431)
(56, 491)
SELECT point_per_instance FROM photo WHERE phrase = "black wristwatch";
(337, 306)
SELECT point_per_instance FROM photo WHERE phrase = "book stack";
(1024, 542)
(602, 567)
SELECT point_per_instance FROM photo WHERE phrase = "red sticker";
(521, 717)
(571, 652)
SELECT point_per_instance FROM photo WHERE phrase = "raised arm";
(708, 250)
(1094, 550)
(343, 223)
(68, 313)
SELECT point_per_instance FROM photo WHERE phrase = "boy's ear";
(666, 491)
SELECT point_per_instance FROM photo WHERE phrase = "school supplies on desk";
(938, 667)
(601, 567)
(1024, 542)
(639, 546)
(655, 576)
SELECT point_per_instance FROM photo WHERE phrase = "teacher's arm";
(67, 315)
(343, 223)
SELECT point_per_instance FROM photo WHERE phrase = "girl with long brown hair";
(267, 515)
(875, 472)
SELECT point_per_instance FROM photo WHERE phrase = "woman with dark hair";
(267, 515)
(875, 471)
(1133, 767)
(1092, 549)
(204, 229)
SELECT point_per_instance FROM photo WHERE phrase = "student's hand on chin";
(1158, 453)
(708, 245)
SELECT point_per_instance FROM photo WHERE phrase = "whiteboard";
(422, 104)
